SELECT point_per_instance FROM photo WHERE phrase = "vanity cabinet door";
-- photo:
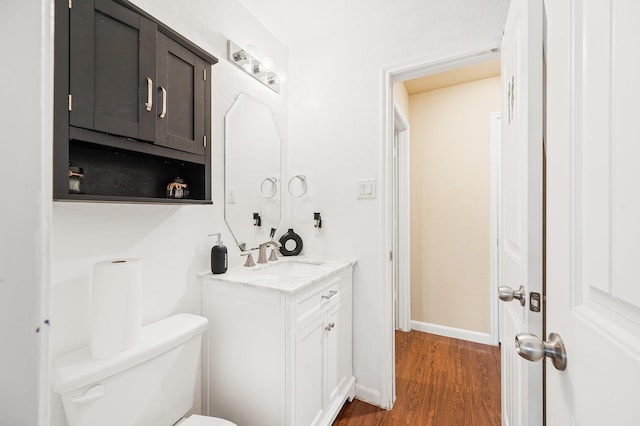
(112, 69)
(182, 96)
(309, 357)
(338, 350)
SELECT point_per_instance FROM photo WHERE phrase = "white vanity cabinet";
(278, 356)
(322, 350)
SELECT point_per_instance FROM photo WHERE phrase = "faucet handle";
(249, 262)
(274, 255)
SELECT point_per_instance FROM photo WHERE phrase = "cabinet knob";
(330, 326)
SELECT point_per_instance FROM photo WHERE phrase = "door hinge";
(70, 4)
(204, 75)
(204, 141)
(70, 102)
(390, 254)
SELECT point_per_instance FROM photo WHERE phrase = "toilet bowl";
(150, 384)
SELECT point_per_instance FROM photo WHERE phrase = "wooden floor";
(439, 381)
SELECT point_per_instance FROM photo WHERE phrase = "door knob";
(530, 347)
(507, 294)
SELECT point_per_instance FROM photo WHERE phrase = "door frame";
(391, 75)
(402, 254)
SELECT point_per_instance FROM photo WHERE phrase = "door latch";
(534, 301)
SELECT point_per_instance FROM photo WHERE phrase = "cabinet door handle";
(330, 326)
(330, 295)
(163, 113)
(149, 103)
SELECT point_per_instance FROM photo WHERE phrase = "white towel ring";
(303, 184)
(274, 187)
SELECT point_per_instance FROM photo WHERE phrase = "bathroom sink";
(282, 271)
(293, 268)
(286, 274)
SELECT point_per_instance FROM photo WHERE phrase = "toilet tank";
(151, 384)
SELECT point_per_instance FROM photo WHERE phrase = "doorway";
(397, 167)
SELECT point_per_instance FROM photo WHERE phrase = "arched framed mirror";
(252, 172)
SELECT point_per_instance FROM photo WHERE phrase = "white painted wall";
(336, 134)
(26, 84)
(171, 240)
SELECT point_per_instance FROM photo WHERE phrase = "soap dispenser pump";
(218, 256)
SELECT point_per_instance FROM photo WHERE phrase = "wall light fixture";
(260, 69)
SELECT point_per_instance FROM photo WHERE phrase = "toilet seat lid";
(196, 420)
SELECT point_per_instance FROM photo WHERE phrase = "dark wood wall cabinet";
(132, 105)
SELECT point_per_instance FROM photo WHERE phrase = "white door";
(520, 223)
(593, 211)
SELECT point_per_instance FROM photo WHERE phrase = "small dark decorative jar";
(290, 243)
(76, 174)
(178, 188)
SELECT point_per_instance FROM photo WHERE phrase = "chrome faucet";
(262, 253)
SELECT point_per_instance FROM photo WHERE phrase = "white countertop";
(300, 273)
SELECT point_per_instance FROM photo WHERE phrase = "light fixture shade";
(267, 63)
(261, 69)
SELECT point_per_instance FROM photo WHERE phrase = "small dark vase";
(291, 243)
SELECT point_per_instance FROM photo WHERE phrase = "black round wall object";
(291, 243)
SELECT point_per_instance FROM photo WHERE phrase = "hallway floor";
(439, 381)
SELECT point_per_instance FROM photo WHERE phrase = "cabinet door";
(308, 373)
(181, 97)
(112, 69)
(338, 349)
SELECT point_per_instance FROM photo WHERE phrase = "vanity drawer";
(313, 301)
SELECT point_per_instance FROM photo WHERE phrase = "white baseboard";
(368, 395)
(456, 333)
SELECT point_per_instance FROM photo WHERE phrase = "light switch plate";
(366, 188)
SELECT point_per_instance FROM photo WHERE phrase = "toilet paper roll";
(115, 306)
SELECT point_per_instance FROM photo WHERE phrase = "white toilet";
(151, 384)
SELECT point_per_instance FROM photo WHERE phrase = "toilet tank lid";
(78, 368)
